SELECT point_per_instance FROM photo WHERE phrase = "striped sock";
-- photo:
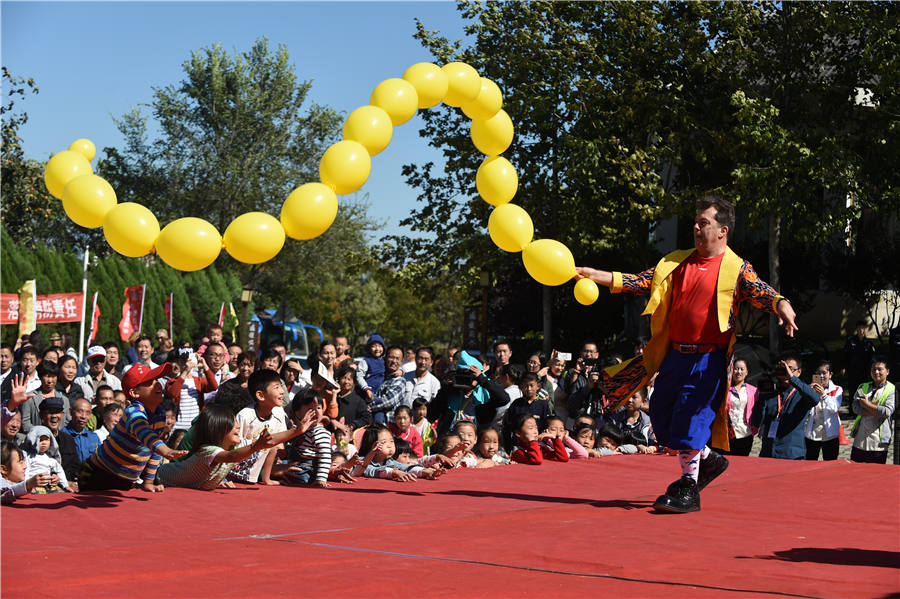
(690, 463)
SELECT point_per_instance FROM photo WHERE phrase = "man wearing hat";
(97, 375)
(52, 414)
(134, 447)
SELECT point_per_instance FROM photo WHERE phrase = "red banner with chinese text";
(50, 308)
(167, 308)
(132, 311)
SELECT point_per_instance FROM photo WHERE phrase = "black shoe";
(711, 467)
(681, 497)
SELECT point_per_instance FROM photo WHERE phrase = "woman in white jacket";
(823, 426)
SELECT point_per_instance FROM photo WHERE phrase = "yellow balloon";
(398, 98)
(370, 126)
(254, 237)
(463, 83)
(430, 83)
(549, 262)
(345, 166)
(586, 292)
(308, 211)
(510, 227)
(496, 180)
(87, 200)
(189, 244)
(85, 147)
(494, 135)
(62, 168)
(131, 229)
(488, 102)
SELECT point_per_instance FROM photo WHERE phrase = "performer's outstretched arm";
(618, 282)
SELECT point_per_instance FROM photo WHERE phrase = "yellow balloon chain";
(190, 244)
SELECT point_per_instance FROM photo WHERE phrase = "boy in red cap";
(134, 447)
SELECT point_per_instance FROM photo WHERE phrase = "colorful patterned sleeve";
(638, 284)
(752, 289)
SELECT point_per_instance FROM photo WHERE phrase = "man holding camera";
(695, 296)
(781, 419)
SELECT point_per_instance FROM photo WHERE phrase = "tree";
(234, 137)
(626, 113)
(603, 96)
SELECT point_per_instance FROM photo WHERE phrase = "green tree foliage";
(625, 113)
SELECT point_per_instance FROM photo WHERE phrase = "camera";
(781, 370)
(463, 380)
(589, 362)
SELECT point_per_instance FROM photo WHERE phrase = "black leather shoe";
(711, 467)
(681, 497)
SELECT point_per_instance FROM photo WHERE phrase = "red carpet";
(768, 528)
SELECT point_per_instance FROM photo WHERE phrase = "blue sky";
(96, 60)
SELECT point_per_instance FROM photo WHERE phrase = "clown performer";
(694, 301)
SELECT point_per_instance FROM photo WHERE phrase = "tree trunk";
(774, 279)
(547, 301)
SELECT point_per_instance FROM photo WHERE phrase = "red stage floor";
(767, 528)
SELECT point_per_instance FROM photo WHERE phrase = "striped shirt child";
(130, 450)
(313, 449)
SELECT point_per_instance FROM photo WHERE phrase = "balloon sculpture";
(190, 244)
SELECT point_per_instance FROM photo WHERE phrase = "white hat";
(95, 350)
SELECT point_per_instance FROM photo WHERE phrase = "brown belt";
(697, 348)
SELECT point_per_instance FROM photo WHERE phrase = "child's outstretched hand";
(322, 484)
(461, 446)
(403, 477)
(172, 454)
(264, 441)
(546, 435)
(443, 461)
(341, 474)
(431, 473)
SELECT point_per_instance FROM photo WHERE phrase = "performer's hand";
(603, 277)
(786, 316)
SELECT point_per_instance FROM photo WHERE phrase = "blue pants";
(306, 475)
(686, 397)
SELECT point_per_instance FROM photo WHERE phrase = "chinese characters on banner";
(50, 308)
(132, 311)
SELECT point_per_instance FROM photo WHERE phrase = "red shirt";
(693, 316)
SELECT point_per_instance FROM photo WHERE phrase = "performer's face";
(708, 233)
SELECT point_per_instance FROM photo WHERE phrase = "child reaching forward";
(379, 440)
(213, 453)
(453, 447)
(13, 483)
(40, 446)
(559, 436)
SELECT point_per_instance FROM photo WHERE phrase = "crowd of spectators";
(208, 414)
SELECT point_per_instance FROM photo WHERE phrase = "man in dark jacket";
(781, 418)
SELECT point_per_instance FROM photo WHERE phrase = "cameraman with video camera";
(472, 396)
(591, 400)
